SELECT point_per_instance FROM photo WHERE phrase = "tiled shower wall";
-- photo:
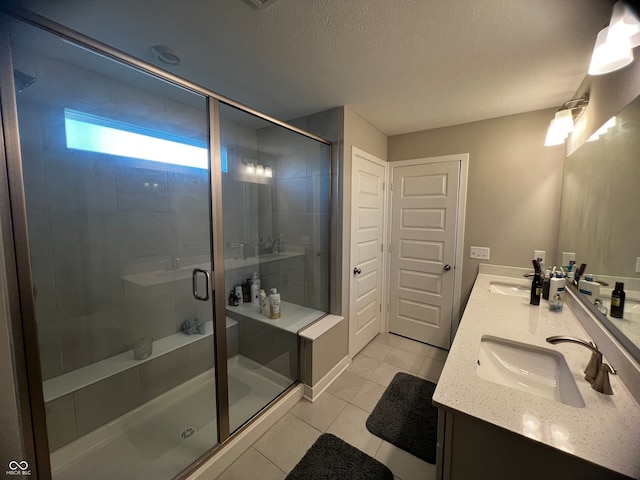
(94, 219)
(301, 216)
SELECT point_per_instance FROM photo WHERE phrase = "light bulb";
(612, 52)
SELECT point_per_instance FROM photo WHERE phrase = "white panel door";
(423, 236)
(367, 237)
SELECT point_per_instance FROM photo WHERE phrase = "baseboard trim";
(312, 393)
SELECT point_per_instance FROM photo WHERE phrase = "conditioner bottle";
(274, 304)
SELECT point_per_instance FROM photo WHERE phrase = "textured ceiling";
(403, 65)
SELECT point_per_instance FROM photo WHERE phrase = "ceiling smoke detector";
(168, 55)
(262, 3)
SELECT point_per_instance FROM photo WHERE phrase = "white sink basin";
(512, 289)
(527, 368)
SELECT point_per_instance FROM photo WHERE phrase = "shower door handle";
(194, 278)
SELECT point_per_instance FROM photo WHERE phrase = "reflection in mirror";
(600, 218)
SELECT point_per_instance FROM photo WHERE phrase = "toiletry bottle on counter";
(233, 298)
(255, 294)
(555, 303)
(589, 288)
(546, 284)
(264, 303)
(238, 289)
(617, 301)
(256, 280)
(246, 291)
(557, 285)
(274, 304)
(536, 285)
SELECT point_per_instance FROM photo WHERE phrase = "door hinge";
(388, 307)
(382, 247)
(383, 185)
(390, 248)
(392, 186)
(380, 307)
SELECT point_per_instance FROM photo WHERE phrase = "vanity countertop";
(606, 431)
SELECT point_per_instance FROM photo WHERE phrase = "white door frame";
(463, 159)
(385, 227)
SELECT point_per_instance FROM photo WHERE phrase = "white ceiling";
(403, 65)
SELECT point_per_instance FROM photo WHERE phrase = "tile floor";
(343, 410)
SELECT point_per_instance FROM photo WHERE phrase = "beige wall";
(514, 185)
(361, 134)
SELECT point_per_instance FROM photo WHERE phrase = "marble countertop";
(606, 431)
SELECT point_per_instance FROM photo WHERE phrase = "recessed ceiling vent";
(262, 3)
(168, 55)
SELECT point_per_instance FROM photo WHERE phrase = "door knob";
(446, 268)
(357, 271)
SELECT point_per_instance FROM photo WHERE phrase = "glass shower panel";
(116, 172)
(275, 208)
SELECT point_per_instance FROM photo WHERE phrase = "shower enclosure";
(143, 201)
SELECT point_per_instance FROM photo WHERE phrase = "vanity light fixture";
(251, 168)
(268, 172)
(562, 124)
(260, 170)
(613, 49)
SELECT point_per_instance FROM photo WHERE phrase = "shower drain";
(187, 432)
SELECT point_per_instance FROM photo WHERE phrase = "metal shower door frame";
(14, 230)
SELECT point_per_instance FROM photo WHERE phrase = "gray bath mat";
(406, 417)
(330, 458)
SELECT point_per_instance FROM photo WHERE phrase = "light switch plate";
(481, 253)
(540, 254)
(567, 257)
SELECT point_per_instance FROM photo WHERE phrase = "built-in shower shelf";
(82, 377)
(293, 317)
(160, 277)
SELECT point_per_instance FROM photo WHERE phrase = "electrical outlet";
(637, 264)
(481, 253)
(567, 257)
(305, 240)
(540, 254)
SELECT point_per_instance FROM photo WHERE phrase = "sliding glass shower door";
(117, 184)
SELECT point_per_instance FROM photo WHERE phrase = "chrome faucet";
(597, 372)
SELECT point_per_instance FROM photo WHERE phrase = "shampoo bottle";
(274, 304)
(264, 303)
(617, 301)
(246, 291)
(255, 294)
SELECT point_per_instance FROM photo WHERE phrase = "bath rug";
(406, 417)
(331, 458)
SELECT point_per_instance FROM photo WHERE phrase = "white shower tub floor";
(160, 438)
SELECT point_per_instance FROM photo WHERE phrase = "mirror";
(600, 218)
